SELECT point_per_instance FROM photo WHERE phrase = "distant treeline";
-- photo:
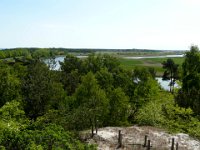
(48, 52)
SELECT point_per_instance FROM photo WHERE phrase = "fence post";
(177, 146)
(149, 145)
(119, 139)
(145, 141)
(172, 147)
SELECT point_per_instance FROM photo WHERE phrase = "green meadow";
(156, 63)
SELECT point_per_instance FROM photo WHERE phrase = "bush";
(50, 137)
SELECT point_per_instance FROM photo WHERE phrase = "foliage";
(42, 108)
(12, 110)
(178, 118)
(91, 100)
(151, 112)
(119, 107)
(49, 137)
(189, 94)
(171, 73)
(71, 73)
(164, 113)
(9, 84)
(146, 88)
(40, 91)
(16, 132)
(105, 79)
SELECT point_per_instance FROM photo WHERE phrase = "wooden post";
(177, 146)
(172, 147)
(149, 145)
(145, 141)
(120, 139)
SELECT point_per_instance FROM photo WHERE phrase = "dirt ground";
(133, 139)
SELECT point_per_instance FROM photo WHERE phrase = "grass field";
(148, 62)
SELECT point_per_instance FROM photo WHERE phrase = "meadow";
(155, 63)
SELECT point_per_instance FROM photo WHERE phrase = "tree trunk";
(173, 87)
(171, 78)
(92, 127)
(96, 125)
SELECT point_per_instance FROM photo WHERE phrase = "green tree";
(189, 94)
(145, 87)
(110, 62)
(40, 91)
(171, 73)
(35, 89)
(71, 71)
(122, 79)
(71, 63)
(92, 100)
(119, 107)
(94, 63)
(9, 84)
(38, 138)
(105, 79)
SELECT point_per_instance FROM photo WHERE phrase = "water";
(164, 56)
(164, 84)
(61, 58)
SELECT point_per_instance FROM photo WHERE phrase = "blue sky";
(153, 24)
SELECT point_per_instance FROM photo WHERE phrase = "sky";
(121, 24)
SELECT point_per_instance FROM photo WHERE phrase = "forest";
(49, 52)
(43, 108)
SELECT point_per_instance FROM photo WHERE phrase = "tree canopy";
(171, 73)
(42, 108)
(189, 94)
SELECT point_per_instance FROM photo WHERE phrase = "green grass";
(177, 60)
(156, 63)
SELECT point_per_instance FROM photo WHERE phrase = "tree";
(189, 94)
(41, 138)
(146, 87)
(71, 71)
(94, 62)
(191, 68)
(71, 81)
(9, 84)
(152, 71)
(40, 91)
(110, 62)
(35, 89)
(71, 63)
(92, 101)
(171, 73)
(119, 107)
(105, 79)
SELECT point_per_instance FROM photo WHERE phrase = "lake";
(61, 58)
(165, 84)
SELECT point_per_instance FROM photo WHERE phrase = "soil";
(133, 139)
